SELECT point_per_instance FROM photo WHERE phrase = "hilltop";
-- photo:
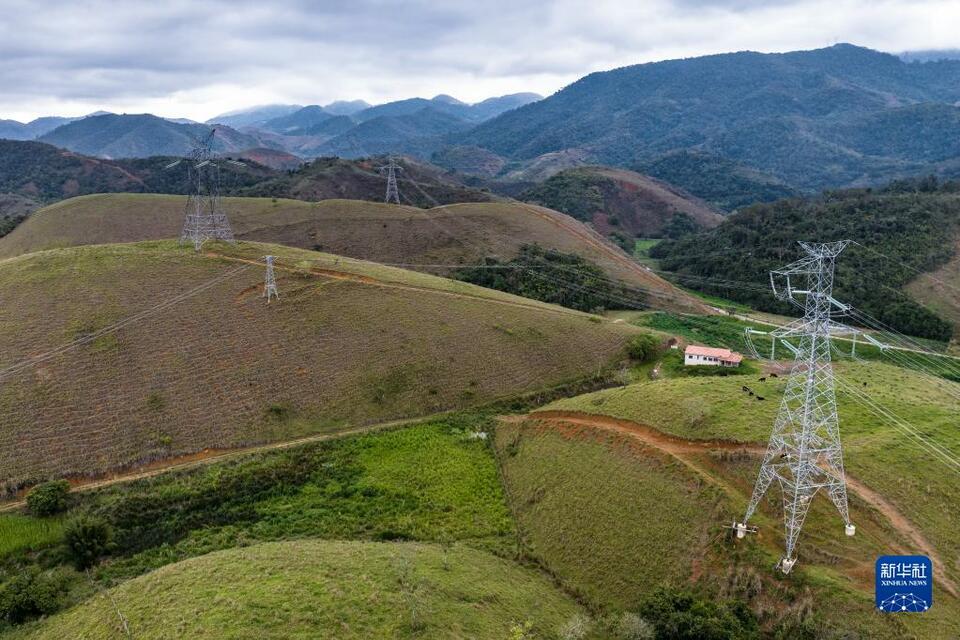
(840, 116)
(623, 203)
(142, 136)
(419, 183)
(327, 589)
(43, 172)
(448, 235)
(350, 343)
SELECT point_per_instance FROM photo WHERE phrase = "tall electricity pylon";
(204, 216)
(391, 168)
(270, 281)
(804, 454)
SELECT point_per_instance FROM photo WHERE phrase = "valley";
(574, 367)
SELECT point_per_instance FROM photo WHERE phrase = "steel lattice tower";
(204, 216)
(804, 455)
(270, 281)
(391, 168)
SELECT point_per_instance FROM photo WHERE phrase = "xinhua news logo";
(904, 584)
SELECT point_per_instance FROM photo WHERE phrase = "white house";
(697, 355)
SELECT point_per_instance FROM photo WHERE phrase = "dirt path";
(209, 456)
(679, 447)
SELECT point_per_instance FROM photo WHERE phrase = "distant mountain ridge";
(412, 126)
(141, 136)
(810, 119)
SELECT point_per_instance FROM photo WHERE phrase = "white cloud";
(201, 57)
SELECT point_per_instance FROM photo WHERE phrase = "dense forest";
(551, 276)
(906, 227)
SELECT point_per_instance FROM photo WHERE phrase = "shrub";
(48, 498)
(682, 615)
(643, 347)
(87, 538)
(576, 628)
(630, 626)
(32, 594)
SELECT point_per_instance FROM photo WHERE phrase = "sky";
(200, 58)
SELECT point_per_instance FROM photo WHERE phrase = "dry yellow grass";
(452, 234)
(349, 343)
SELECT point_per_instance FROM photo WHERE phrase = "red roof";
(721, 354)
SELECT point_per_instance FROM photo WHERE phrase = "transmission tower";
(804, 455)
(391, 168)
(270, 281)
(204, 217)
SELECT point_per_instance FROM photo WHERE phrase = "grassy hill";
(688, 450)
(906, 229)
(623, 203)
(455, 234)
(350, 343)
(314, 589)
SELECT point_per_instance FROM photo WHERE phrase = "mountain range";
(840, 116)
(732, 129)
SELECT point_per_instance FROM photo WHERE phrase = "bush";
(32, 594)
(576, 628)
(643, 347)
(48, 498)
(87, 538)
(681, 615)
(630, 626)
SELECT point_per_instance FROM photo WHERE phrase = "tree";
(48, 498)
(87, 538)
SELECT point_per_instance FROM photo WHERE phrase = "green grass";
(610, 523)
(641, 251)
(23, 532)
(922, 488)
(431, 482)
(317, 589)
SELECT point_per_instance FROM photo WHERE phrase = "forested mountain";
(420, 184)
(622, 204)
(913, 224)
(831, 117)
(13, 130)
(141, 136)
(45, 173)
(419, 133)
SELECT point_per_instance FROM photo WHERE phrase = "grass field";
(922, 489)
(319, 589)
(452, 234)
(349, 343)
(611, 519)
(21, 532)
(615, 519)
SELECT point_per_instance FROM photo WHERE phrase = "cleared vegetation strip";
(678, 447)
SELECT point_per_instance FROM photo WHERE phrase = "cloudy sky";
(198, 58)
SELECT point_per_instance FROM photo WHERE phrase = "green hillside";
(314, 589)
(350, 343)
(905, 229)
(688, 449)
